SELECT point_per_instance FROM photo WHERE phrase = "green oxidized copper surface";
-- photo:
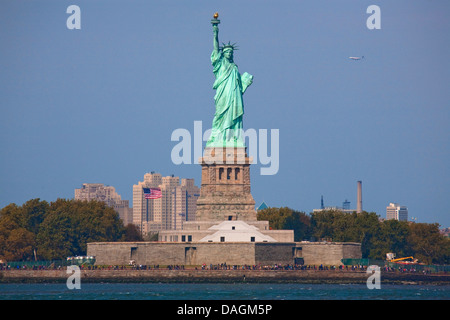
(230, 85)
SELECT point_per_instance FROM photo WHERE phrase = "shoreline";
(221, 276)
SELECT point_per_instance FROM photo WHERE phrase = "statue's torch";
(215, 21)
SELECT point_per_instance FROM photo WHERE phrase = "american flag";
(152, 193)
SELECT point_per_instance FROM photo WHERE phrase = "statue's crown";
(229, 46)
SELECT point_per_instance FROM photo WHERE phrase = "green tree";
(393, 237)
(57, 238)
(428, 245)
(34, 212)
(322, 223)
(71, 224)
(300, 223)
(287, 219)
(368, 226)
(339, 226)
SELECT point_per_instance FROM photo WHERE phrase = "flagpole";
(146, 215)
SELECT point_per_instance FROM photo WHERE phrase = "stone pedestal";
(225, 188)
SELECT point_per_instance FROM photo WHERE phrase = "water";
(184, 291)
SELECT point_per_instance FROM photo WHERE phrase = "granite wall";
(232, 253)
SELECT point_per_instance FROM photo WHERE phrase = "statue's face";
(228, 55)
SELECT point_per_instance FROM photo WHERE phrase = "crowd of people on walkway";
(224, 266)
(5, 266)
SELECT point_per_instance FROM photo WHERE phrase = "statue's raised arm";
(215, 23)
(216, 37)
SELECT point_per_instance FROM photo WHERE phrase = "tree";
(132, 233)
(71, 224)
(339, 226)
(393, 237)
(322, 223)
(368, 226)
(34, 212)
(16, 242)
(56, 230)
(57, 238)
(18, 245)
(287, 219)
(300, 223)
(428, 245)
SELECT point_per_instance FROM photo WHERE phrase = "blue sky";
(99, 104)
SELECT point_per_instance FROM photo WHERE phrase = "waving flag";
(152, 193)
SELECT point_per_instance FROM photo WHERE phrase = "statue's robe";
(230, 87)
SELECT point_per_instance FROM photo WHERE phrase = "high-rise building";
(396, 212)
(107, 194)
(177, 204)
(145, 210)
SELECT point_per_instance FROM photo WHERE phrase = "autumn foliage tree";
(62, 228)
(16, 240)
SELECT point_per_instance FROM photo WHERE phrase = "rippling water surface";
(183, 291)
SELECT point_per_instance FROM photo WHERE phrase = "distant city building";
(107, 194)
(177, 204)
(396, 212)
(345, 207)
(346, 204)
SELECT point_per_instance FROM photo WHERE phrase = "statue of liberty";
(230, 86)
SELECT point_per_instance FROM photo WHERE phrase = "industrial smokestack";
(359, 198)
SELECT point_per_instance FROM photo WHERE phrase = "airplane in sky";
(356, 58)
